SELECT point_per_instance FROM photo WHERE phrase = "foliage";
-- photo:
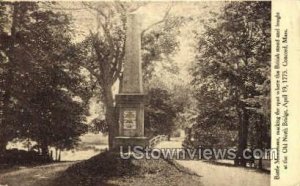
(159, 45)
(159, 113)
(98, 125)
(46, 97)
(232, 70)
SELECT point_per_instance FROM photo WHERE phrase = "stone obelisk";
(130, 100)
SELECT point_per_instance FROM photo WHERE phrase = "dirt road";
(33, 176)
(216, 175)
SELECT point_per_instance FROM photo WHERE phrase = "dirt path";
(34, 176)
(216, 175)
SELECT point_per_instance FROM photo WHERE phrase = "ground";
(109, 169)
(102, 170)
(216, 175)
(33, 176)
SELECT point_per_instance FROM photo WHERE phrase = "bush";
(22, 157)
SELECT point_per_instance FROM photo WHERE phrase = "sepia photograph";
(135, 93)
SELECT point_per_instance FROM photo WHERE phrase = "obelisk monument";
(130, 100)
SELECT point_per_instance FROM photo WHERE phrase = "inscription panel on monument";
(129, 121)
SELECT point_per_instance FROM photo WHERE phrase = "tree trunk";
(51, 154)
(110, 115)
(242, 137)
(260, 140)
(3, 144)
(44, 148)
(237, 160)
(56, 157)
(189, 134)
(59, 155)
(244, 134)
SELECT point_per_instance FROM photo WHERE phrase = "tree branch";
(159, 22)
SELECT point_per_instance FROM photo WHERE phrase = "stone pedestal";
(126, 142)
(131, 120)
(130, 100)
(131, 114)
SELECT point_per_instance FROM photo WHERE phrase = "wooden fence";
(157, 139)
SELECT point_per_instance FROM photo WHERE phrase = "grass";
(8, 168)
(109, 169)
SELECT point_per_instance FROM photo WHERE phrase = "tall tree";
(106, 48)
(39, 77)
(12, 17)
(234, 55)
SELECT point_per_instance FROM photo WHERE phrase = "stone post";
(130, 100)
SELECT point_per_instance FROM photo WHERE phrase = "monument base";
(130, 110)
(131, 142)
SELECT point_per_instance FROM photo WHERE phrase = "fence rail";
(157, 139)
